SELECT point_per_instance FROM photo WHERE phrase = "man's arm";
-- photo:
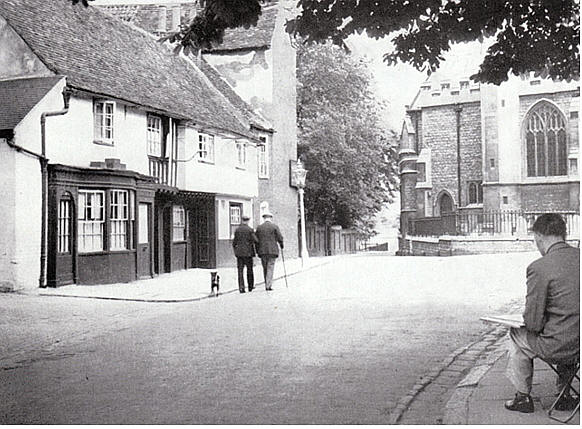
(279, 236)
(535, 300)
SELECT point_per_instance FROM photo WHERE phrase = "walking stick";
(284, 269)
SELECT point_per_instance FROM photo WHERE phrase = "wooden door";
(144, 244)
(65, 272)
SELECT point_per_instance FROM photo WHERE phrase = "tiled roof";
(19, 96)
(101, 54)
(255, 37)
(224, 87)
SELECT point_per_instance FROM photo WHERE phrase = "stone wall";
(452, 246)
(439, 132)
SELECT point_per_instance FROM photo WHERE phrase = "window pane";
(531, 154)
(562, 153)
(552, 161)
(541, 154)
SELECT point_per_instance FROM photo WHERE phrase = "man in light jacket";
(268, 235)
(551, 316)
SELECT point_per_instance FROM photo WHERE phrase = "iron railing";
(488, 223)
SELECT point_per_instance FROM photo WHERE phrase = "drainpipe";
(458, 110)
(44, 178)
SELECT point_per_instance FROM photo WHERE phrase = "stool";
(565, 389)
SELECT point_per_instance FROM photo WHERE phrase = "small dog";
(214, 283)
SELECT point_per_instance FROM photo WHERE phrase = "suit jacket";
(269, 235)
(552, 304)
(244, 242)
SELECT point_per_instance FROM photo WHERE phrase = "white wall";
(222, 176)
(223, 221)
(7, 230)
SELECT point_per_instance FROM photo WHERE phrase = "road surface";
(340, 345)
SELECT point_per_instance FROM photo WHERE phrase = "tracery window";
(545, 140)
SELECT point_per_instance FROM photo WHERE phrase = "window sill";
(238, 167)
(103, 143)
(263, 177)
(205, 161)
(106, 252)
(180, 242)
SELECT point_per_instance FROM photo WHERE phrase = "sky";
(398, 84)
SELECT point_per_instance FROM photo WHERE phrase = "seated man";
(551, 316)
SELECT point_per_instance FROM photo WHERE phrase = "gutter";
(44, 178)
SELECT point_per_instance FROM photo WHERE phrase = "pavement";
(479, 397)
(181, 286)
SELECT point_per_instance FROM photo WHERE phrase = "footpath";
(469, 387)
(183, 286)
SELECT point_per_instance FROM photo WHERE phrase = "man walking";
(551, 316)
(244, 250)
(268, 235)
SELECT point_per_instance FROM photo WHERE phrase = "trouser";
(520, 364)
(268, 262)
(241, 263)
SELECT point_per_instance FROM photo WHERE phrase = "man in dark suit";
(269, 235)
(244, 250)
(551, 316)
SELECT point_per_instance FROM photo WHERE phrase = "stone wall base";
(461, 245)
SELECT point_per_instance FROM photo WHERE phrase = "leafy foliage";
(342, 141)
(530, 35)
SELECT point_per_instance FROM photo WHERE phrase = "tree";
(530, 35)
(342, 141)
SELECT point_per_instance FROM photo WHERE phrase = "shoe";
(251, 288)
(567, 403)
(522, 403)
(241, 290)
(269, 288)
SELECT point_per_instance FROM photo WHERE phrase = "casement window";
(545, 142)
(91, 217)
(154, 136)
(178, 223)
(64, 226)
(241, 155)
(103, 114)
(263, 157)
(475, 191)
(206, 147)
(235, 214)
(119, 220)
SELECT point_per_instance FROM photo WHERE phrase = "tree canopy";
(540, 36)
(346, 148)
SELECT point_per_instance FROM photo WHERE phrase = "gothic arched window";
(545, 140)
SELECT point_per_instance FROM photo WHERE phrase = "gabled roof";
(19, 96)
(224, 87)
(257, 37)
(100, 54)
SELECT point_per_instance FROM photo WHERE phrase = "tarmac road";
(340, 345)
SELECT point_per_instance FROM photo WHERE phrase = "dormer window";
(464, 84)
(445, 86)
(425, 87)
(103, 115)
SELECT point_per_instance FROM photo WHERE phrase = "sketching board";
(513, 320)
